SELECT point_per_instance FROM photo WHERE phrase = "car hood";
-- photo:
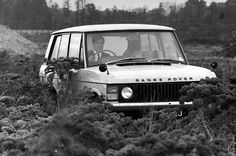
(145, 74)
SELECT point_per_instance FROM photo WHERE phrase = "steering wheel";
(105, 51)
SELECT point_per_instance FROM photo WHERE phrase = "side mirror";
(103, 67)
(214, 65)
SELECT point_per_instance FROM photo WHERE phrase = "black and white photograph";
(117, 77)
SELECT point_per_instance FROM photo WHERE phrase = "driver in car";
(97, 53)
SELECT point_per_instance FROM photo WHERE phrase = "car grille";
(155, 92)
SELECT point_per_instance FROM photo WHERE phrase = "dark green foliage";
(91, 126)
(26, 91)
(4, 60)
(215, 101)
(61, 67)
(230, 47)
(84, 126)
(213, 95)
(11, 62)
(20, 81)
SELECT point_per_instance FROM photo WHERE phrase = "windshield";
(107, 47)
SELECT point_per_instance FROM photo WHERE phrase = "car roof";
(113, 27)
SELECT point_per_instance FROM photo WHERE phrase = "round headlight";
(127, 92)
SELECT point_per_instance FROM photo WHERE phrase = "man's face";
(98, 45)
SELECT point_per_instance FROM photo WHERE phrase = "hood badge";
(167, 79)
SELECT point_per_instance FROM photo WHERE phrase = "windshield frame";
(178, 44)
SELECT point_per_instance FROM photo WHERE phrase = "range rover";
(137, 66)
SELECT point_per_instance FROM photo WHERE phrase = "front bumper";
(147, 105)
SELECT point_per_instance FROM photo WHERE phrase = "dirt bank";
(15, 43)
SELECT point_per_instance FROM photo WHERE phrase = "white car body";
(152, 83)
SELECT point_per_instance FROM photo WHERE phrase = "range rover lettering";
(129, 65)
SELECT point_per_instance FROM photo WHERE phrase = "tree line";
(194, 21)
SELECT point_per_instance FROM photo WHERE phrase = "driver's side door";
(65, 45)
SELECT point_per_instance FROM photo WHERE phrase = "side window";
(81, 59)
(55, 49)
(74, 48)
(63, 49)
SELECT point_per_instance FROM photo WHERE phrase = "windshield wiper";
(125, 60)
(166, 60)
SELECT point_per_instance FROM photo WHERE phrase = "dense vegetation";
(31, 123)
(194, 22)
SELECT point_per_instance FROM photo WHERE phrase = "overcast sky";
(130, 4)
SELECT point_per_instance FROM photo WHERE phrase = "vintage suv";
(140, 65)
